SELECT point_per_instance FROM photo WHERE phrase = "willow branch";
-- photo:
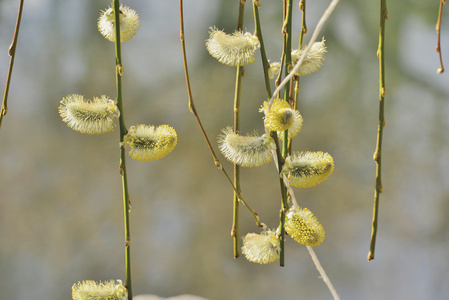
(237, 97)
(314, 37)
(263, 54)
(193, 110)
(438, 28)
(381, 124)
(12, 54)
(123, 131)
(323, 273)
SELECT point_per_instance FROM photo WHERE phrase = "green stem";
(287, 49)
(287, 32)
(237, 190)
(302, 7)
(296, 78)
(274, 135)
(12, 54)
(235, 221)
(378, 152)
(123, 131)
(327, 13)
(258, 33)
(193, 110)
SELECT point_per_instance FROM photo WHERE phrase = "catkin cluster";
(97, 116)
(282, 119)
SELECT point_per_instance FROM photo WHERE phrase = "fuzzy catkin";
(282, 117)
(245, 151)
(304, 227)
(307, 169)
(232, 50)
(91, 290)
(129, 23)
(261, 248)
(89, 116)
(149, 143)
(314, 58)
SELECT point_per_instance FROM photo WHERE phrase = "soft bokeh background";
(61, 216)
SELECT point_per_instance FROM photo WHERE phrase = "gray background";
(61, 216)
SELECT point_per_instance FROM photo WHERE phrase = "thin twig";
(380, 127)
(12, 54)
(285, 180)
(123, 131)
(238, 88)
(287, 50)
(193, 110)
(263, 54)
(438, 28)
(323, 273)
(314, 37)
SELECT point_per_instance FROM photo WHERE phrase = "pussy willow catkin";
(261, 248)
(129, 23)
(282, 117)
(107, 290)
(148, 142)
(304, 227)
(232, 50)
(313, 61)
(314, 58)
(89, 116)
(306, 169)
(245, 151)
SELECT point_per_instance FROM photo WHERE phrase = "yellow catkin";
(89, 116)
(307, 169)
(232, 50)
(282, 117)
(245, 151)
(91, 290)
(261, 248)
(304, 227)
(149, 143)
(274, 69)
(314, 58)
(129, 23)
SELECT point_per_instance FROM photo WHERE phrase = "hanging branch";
(258, 33)
(378, 152)
(438, 27)
(302, 7)
(12, 54)
(238, 88)
(327, 13)
(193, 110)
(287, 50)
(123, 131)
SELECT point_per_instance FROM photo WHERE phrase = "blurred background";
(61, 218)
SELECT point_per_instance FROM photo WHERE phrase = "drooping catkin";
(129, 23)
(91, 290)
(261, 248)
(314, 58)
(306, 169)
(148, 142)
(232, 50)
(282, 117)
(245, 151)
(304, 227)
(89, 116)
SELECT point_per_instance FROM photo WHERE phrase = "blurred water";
(60, 191)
